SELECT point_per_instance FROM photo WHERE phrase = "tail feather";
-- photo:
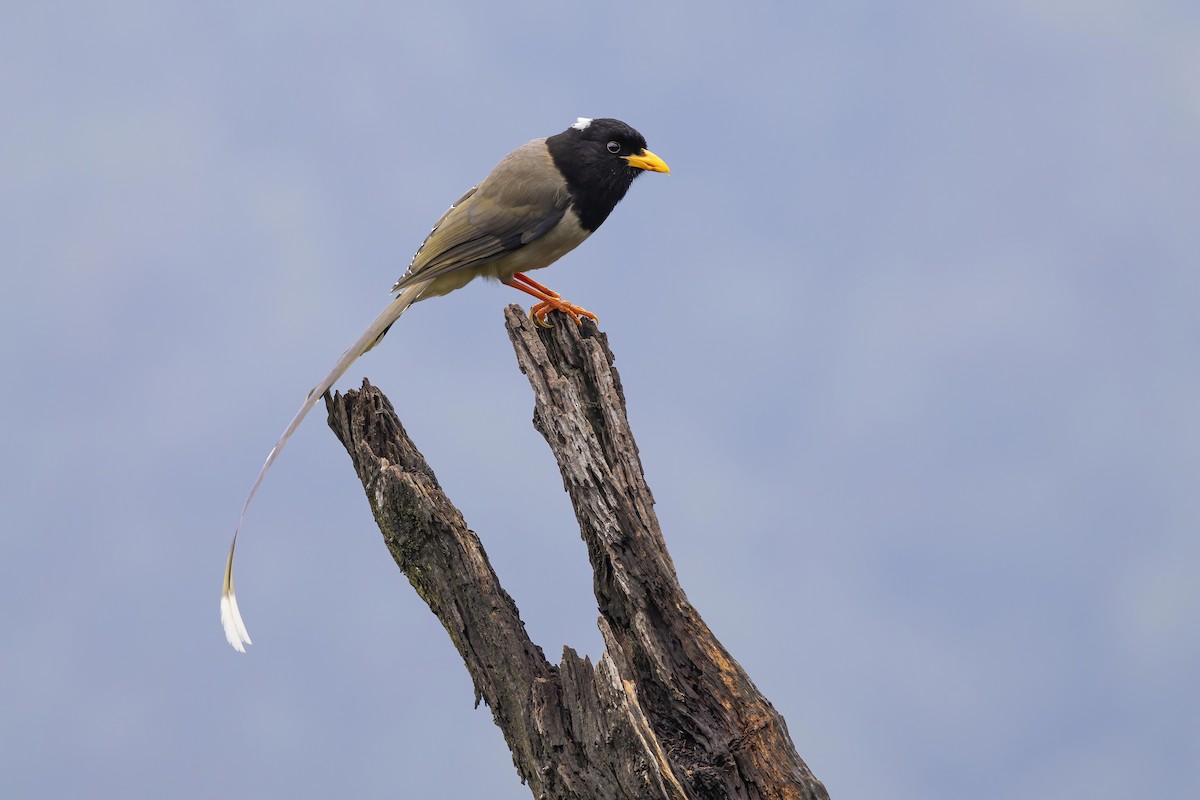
(231, 618)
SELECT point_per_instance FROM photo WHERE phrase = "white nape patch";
(581, 123)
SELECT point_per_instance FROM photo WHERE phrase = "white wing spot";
(581, 123)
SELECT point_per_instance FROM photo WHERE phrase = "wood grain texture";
(666, 712)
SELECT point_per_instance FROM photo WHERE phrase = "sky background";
(909, 338)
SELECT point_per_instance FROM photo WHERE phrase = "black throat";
(596, 180)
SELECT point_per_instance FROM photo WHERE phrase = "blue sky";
(908, 335)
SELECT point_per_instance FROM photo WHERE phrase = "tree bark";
(666, 712)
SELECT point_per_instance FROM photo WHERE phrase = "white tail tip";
(231, 621)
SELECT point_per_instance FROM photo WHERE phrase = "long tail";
(231, 618)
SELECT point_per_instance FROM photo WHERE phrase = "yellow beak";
(648, 161)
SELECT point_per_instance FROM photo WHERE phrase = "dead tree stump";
(666, 712)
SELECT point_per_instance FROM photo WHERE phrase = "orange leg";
(528, 281)
(550, 301)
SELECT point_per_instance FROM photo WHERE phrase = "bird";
(540, 202)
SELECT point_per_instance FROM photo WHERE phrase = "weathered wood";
(666, 712)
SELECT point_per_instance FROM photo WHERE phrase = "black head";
(599, 158)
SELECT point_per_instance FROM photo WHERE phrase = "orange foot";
(538, 312)
(550, 301)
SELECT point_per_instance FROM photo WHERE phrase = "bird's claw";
(540, 311)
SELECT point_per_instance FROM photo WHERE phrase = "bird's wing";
(522, 199)
(231, 618)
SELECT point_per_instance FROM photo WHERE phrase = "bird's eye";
(614, 147)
